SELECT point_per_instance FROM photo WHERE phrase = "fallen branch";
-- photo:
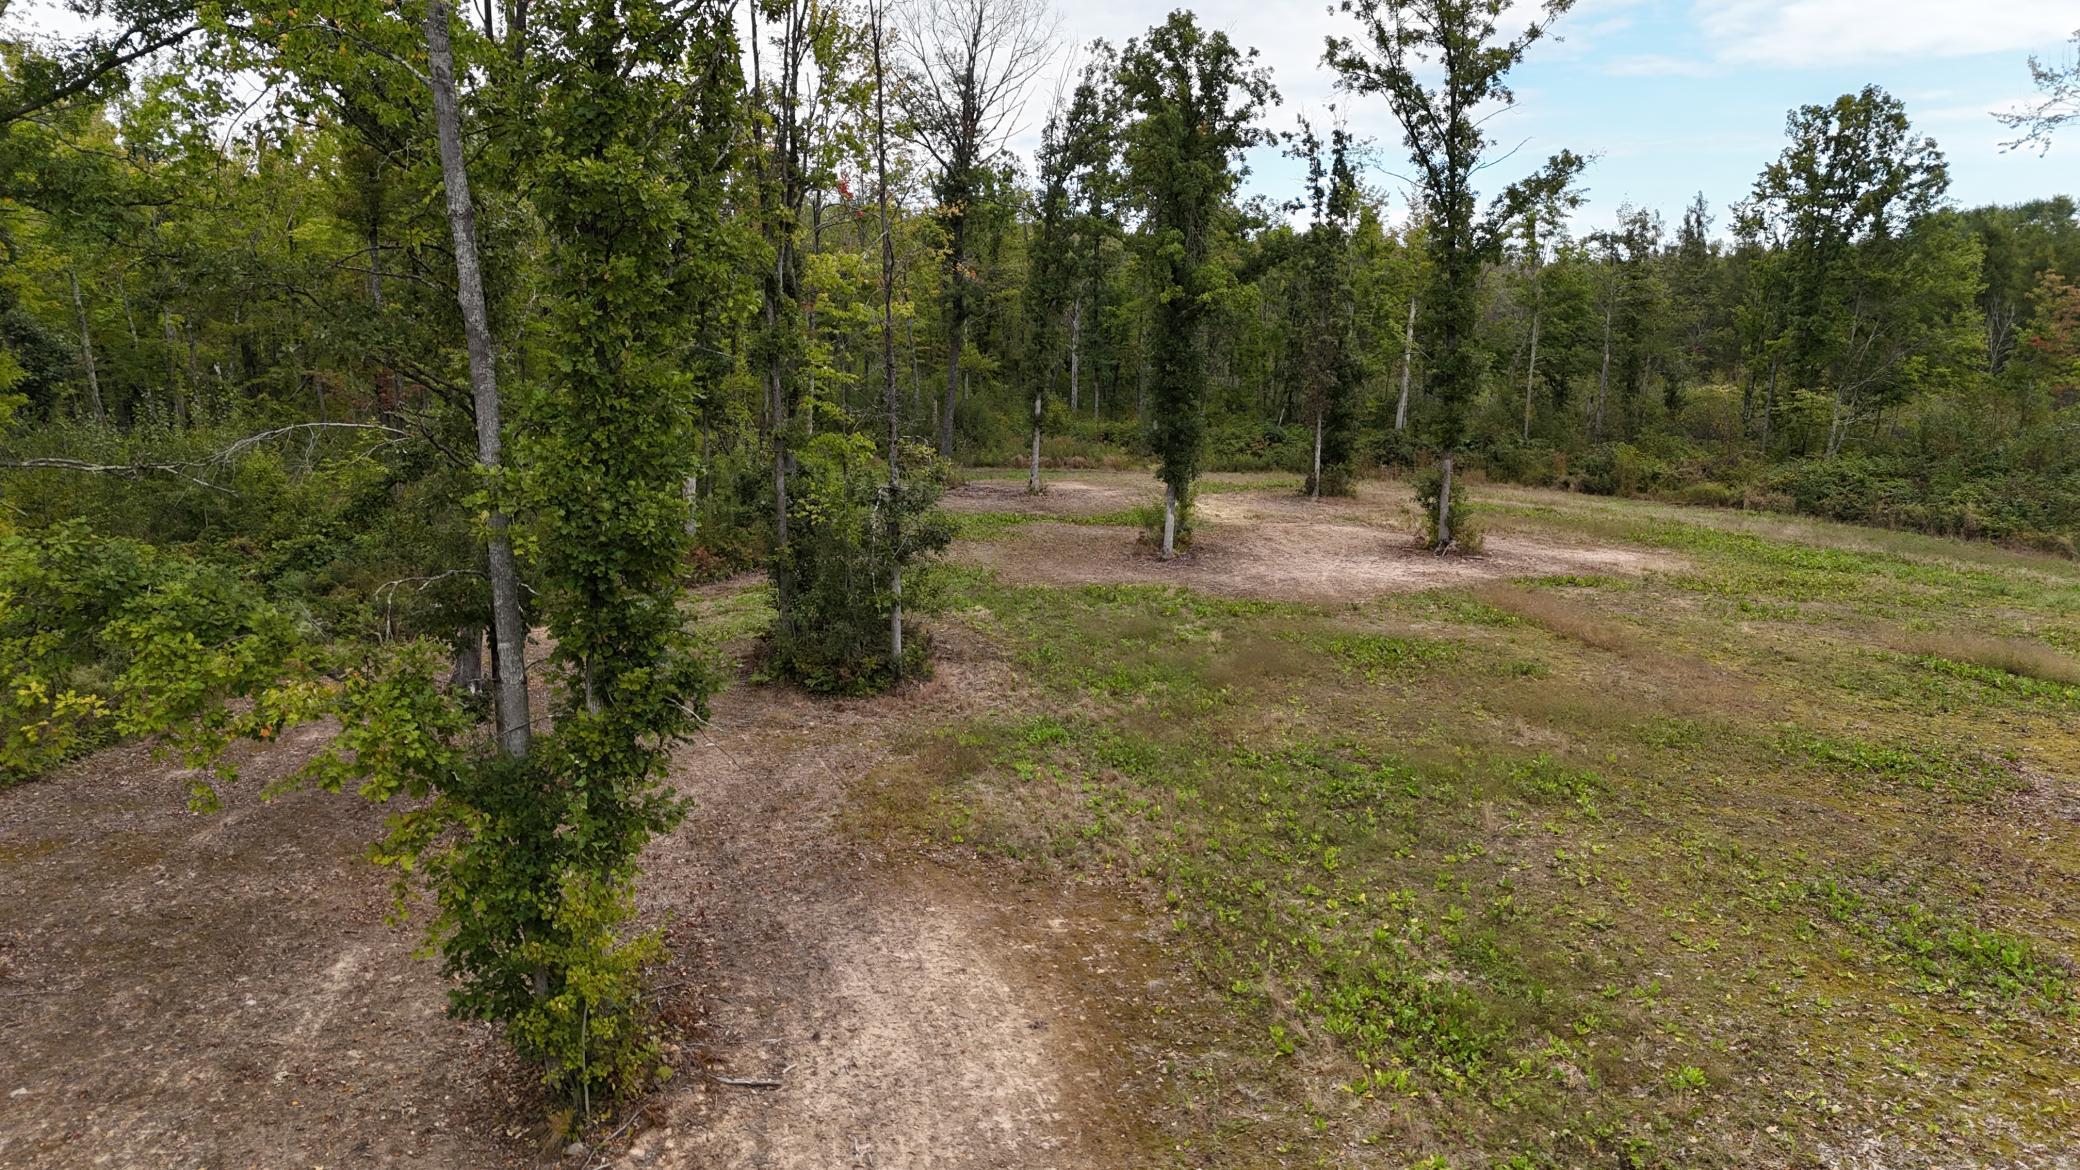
(746, 1082)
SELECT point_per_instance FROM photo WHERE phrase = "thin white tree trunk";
(1317, 481)
(509, 628)
(1075, 353)
(1531, 374)
(86, 351)
(693, 505)
(1408, 351)
(1603, 380)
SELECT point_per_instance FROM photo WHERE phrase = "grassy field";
(1767, 859)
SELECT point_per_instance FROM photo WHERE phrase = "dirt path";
(913, 1017)
(220, 990)
(1266, 544)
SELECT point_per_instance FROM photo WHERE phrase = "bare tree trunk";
(890, 400)
(1315, 483)
(1603, 380)
(468, 675)
(1075, 351)
(958, 326)
(1444, 503)
(1169, 522)
(1531, 373)
(1033, 479)
(86, 351)
(1769, 405)
(509, 628)
(1408, 353)
(177, 390)
(692, 492)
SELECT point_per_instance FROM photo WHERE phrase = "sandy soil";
(913, 1017)
(1276, 545)
(183, 990)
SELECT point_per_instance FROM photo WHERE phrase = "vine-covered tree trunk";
(1444, 503)
(508, 625)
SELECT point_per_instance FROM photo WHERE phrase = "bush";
(849, 533)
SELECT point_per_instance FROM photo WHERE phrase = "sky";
(1675, 97)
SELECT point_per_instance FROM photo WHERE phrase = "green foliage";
(851, 532)
(1194, 96)
(1466, 533)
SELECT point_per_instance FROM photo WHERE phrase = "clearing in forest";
(1657, 837)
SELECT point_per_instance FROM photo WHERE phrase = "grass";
(1736, 865)
(2019, 657)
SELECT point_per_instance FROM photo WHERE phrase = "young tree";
(508, 624)
(1324, 358)
(1195, 99)
(1403, 42)
(972, 61)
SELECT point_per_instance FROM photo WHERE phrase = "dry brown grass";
(2018, 656)
(1562, 616)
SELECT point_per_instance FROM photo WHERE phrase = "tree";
(1543, 221)
(2057, 103)
(972, 61)
(1843, 202)
(1324, 359)
(1194, 98)
(1402, 42)
(508, 625)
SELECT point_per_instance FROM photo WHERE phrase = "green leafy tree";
(1403, 42)
(1195, 98)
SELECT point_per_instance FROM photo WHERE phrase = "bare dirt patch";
(1270, 545)
(914, 1015)
(219, 990)
(1062, 497)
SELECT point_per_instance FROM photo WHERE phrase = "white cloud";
(1802, 33)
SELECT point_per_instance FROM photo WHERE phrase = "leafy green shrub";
(1466, 534)
(850, 532)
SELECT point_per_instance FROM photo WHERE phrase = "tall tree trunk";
(1315, 482)
(890, 400)
(1408, 353)
(1075, 351)
(509, 627)
(86, 351)
(1603, 380)
(1531, 372)
(1769, 405)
